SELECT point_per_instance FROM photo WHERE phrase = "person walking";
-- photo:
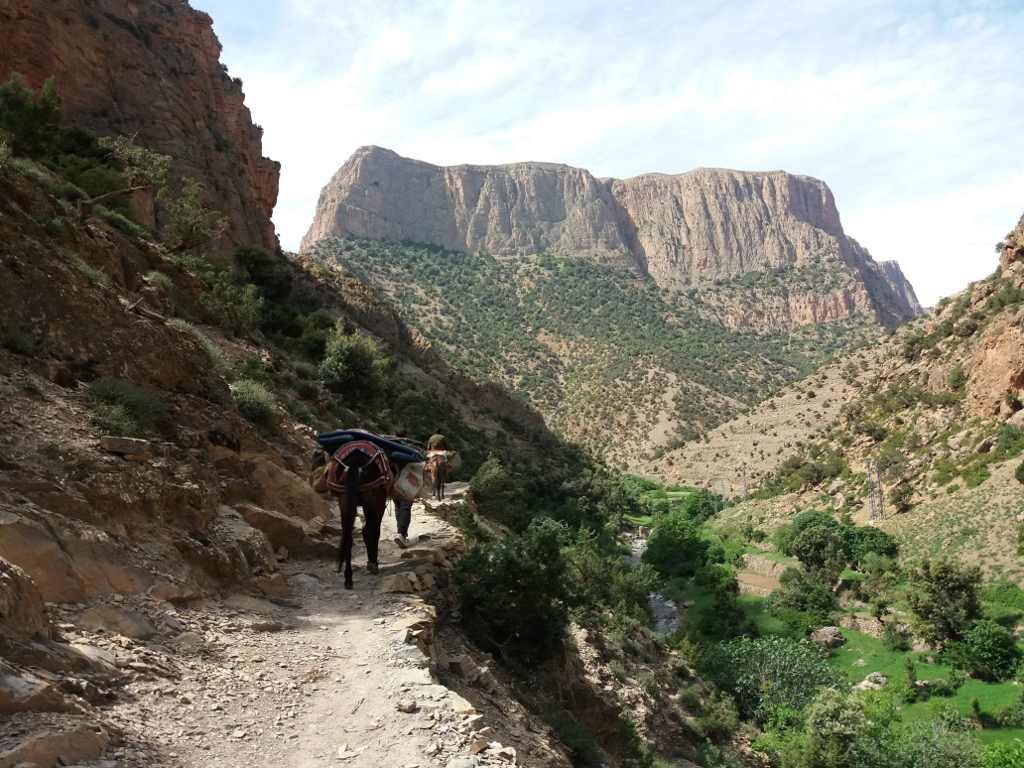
(403, 518)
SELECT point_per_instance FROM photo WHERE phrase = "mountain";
(930, 423)
(653, 308)
(694, 229)
(150, 70)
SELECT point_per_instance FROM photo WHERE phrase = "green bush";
(354, 366)
(944, 599)
(901, 497)
(718, 718)
(822, 550)
(803, 592)
(988, 651)
(769, 674)
(676, 547)
(512, 593)
(233, 307)
(1019, 472)
(123, 409)
(254, 401)
(498, 495)
(31, 122)
(1007, 754)
(896, 638)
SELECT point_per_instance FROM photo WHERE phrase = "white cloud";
(912, 111)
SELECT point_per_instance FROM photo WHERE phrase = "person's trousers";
(403, 516)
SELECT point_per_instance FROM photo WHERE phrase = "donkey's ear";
(318, 459)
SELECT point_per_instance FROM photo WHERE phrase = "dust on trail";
(314, 682)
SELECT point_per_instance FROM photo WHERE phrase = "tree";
(512, 593)
(30, 122)
(901, 497)
(676, 547)
(822, 550)
(800, 591)
(988, 651)
(355, 366)
(190, 223)
(140, 169)
(834, 723)
(768, 674)
(944, 599)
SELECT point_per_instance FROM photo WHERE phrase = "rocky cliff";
(693, 229)
(150, 69)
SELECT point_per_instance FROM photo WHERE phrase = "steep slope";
(692, 229)
(611, 361)
(923, 438)
(150, 70)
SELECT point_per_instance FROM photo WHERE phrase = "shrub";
(718, 718)
(988, 651)
(866, 540)
(213, 352)
(124, 409)
(235, 308)
(900, 497)
(254, 401)
(354, 366)
(770, 673)
(30, 121)
(821, 550)
(5, 153)
(896, 637)
(957, 379)
(1019, 472)
(944, 599)
(1007, 754)
(495, 491)
(512, 594)
(675, 547)
(803, 592)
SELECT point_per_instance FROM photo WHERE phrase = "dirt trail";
(315, 682)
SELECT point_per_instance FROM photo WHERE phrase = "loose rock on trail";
(323, 677)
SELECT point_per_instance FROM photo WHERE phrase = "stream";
(665, 611)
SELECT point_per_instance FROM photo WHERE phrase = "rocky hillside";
(930, 425)
(150, 70)
(696, 229)
(612, 362)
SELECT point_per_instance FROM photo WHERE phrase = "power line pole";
(875, 494)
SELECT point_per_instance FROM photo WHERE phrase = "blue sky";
(913, 112)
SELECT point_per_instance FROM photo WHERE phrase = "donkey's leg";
(348, 519)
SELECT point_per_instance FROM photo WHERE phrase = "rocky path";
(328, 677)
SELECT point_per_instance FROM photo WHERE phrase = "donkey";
(361, 476)
(437, 469)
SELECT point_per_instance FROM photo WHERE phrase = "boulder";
(872, 682)
(63, 741)
(285, 531)
(108, 618)
(400, 583)
(125, 446)
(22, 611)
(276, 488)
(24, 691)
(828, 637)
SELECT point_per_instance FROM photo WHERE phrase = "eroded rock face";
(684, 230)
(150, 69)
(22, 613)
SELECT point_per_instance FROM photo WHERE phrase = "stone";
(872, 682)
(107, 618)
(280, 529)
(828, 637)
(462, 762)
(25, 691)
(125, 446)
(71, 741)
(281, 490)
(407, 706)
(399, 583)
(22, 611)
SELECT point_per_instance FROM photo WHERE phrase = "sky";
(912, 112)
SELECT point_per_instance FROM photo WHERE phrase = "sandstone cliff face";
(150, 69)
(690, 229)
